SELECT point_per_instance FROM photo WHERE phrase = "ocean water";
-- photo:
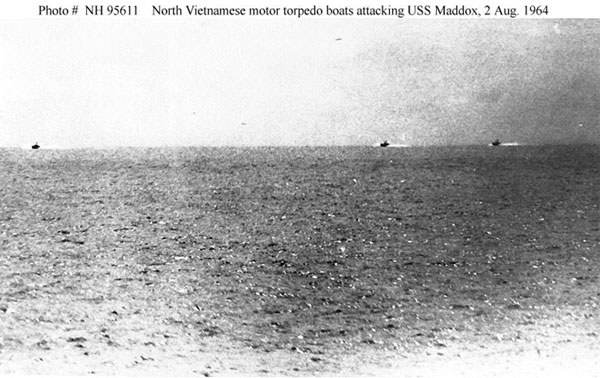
(441, 194)
(344, 246)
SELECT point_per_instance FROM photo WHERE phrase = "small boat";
(35, 146)
(496, 142)
(385, 143)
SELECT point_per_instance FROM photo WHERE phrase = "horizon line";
(507, 144)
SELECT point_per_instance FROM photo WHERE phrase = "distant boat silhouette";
(35, 146)
(385, 143)
(496, 142)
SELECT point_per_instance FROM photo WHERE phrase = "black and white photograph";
(255, 189)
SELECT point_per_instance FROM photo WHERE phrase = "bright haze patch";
(466, 82)
(283, 81)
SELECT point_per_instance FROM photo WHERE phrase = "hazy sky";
(278, 81)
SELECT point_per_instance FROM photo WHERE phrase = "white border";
(28, 9)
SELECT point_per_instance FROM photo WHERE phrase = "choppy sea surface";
(323, 250)
(508, 187)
